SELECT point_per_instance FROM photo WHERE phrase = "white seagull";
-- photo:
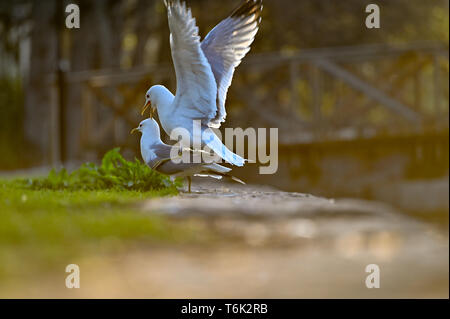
(159, 157)
(204, 71)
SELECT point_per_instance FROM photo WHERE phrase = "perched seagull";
(204, 71)
(157, 156)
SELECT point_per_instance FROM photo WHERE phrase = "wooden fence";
(310, 95)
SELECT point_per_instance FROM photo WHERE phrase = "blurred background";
(360, 112)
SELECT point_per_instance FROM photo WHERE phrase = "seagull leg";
(189, 183)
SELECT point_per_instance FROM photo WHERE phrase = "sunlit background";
(361, 113)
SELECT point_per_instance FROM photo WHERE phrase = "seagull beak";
(146, 106)
(136, 129)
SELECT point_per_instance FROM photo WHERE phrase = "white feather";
(204, 71)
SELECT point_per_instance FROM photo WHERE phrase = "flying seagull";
(157, 155)
(204, 71)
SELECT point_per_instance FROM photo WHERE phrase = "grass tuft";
(115, 172)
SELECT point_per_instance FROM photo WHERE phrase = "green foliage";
(115, 172)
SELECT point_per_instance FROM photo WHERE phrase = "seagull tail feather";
(220, 149)
(218, 171)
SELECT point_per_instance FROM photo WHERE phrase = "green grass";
(47, 222)
(46, 227)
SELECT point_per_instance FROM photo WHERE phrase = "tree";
(42, 63)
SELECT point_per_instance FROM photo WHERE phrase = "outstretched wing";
(196, 87)
(227, 44)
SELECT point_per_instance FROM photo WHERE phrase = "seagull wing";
(196, 86)
(163, 154)
(160, 155)
(226, 45)
(162, 161)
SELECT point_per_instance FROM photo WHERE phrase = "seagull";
(204, 71)
(159, 157)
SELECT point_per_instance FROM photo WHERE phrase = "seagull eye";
(147, 96)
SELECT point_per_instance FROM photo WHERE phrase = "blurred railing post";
(437, 80)
(317, 100)
(61, 69)
(295, 97)
(55, 151)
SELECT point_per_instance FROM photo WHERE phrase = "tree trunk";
(42, 63)
(142, 29)
(83, 42)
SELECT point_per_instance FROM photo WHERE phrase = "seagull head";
(155, 97)
(148, 127)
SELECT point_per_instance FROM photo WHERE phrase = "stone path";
(271, 244)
